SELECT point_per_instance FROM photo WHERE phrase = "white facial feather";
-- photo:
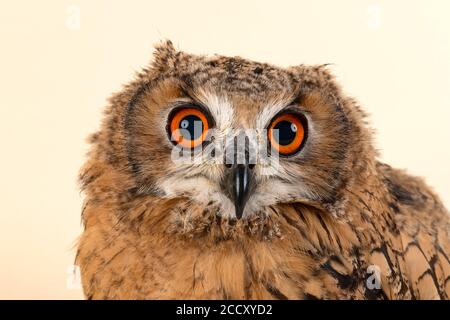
(220, 108)
(270, 110)
(200, 179)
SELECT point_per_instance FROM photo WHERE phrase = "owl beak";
(241, 187)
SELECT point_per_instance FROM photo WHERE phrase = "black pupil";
(286, 132)
(191, 127)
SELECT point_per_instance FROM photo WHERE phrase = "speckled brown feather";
(137, 244)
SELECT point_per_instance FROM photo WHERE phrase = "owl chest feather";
(309, 258)
(390, 248)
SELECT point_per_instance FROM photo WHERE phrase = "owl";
(217, 177)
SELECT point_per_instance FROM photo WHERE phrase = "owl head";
(233, 137)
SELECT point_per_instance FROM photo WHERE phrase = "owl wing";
(426, 249)
(419, 245)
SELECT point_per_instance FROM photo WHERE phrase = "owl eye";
(188, 127)
(287, 133)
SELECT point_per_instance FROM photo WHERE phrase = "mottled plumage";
(311, 229)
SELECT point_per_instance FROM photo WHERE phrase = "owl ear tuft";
(164, 56)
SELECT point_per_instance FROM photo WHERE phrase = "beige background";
(60, 60)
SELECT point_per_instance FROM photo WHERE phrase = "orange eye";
(188, 127)
(287, 133)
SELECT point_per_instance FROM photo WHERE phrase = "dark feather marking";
(394, 207)
(426, 272)
(359, 199)
(446, 280)
(247, 277)
(324, 226)
(83, 210)
(444, 254)
(86, 181)
(433, 275)
(106, 263)
(309, 296)
(383, 250)
(295, 225)
(275, 292)
(399, 192)
(339, 244)
(193, 276)
(258, 70)
(433, 261)
(375, 294)
(300, 214)
(225, 294)
(249, 274)
(404, 287)
(321, 244)
(113, 285)
(344, 281)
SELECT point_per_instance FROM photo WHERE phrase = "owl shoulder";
(423, 225)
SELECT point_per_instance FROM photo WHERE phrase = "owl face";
(237, 135)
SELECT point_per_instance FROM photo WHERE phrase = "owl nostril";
(251, 166)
